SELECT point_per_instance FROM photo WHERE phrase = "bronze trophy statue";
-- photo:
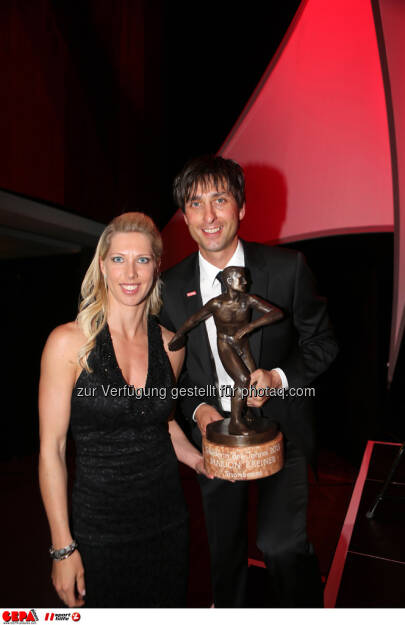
(244, 446)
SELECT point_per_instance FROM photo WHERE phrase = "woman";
(109, 376)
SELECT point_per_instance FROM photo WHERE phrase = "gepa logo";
(19, 616)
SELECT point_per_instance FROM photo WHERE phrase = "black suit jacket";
(302, 343)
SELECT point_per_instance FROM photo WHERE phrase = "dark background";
(104, 100)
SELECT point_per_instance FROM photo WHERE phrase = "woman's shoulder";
(65, 340)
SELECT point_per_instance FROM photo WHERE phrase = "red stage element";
(314, 137)
(392, 47)
(336, 571)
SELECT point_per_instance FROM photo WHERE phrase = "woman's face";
(129, 268)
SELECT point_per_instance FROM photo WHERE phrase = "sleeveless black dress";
(128, 511)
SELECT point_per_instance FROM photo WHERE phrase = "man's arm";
(317, 347)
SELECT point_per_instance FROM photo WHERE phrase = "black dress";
(128, 511)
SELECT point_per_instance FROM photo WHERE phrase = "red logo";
(19, 617)
(75, 616)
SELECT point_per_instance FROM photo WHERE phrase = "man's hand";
(204, 415)
(262, 378)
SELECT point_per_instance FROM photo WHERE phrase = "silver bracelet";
(65, 552)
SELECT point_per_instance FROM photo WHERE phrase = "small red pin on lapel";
(191, 293)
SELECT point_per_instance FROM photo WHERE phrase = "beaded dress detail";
(128, 511)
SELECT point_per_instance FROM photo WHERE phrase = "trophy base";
(241, 457)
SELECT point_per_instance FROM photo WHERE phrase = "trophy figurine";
(243, 446)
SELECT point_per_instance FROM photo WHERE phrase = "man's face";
(212, 216)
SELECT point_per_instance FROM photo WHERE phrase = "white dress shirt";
(211, 287)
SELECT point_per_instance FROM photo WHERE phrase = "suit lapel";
(258, 287)
(193, 303)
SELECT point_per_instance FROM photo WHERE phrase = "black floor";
(25, 570)
(374, 572)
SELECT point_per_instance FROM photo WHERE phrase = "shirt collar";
(208, 272)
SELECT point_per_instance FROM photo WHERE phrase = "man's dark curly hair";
(206, 171)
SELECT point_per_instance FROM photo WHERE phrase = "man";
(289, 354)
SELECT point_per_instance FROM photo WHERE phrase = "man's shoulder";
(182, 271)
(260, 253)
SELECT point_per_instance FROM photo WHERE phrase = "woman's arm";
(58, 373)
(184, 450)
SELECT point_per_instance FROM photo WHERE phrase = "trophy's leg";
(238, 401)
(249, 417)
(238, 371)
(246, 355)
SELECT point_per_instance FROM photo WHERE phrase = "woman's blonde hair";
(92, 315)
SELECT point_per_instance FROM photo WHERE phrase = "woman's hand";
(68, 580)
(200, 469)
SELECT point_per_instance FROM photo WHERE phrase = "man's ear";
(185, 217)
(242, 211)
